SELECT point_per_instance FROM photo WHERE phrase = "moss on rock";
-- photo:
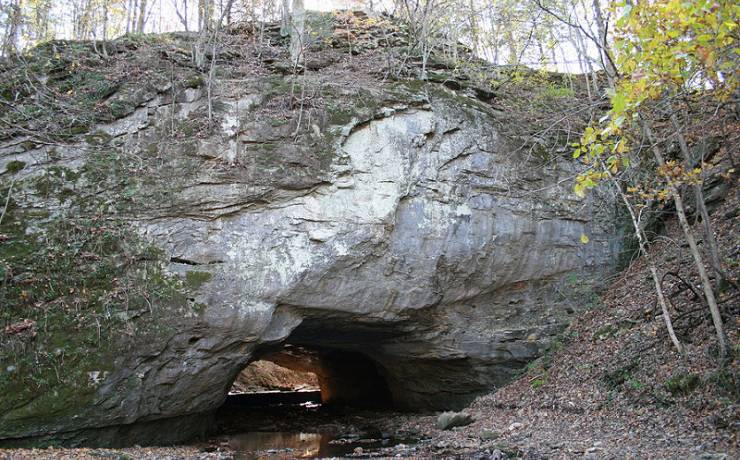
(195, 279)
(682, 384)
(14, 166)
(77, 290)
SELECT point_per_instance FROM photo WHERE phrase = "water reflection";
(277, 445)
(265, 445)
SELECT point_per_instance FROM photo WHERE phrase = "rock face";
(263, 376)
(400, 223)
(449, 420)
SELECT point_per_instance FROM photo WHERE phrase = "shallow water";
(267, 445)
(274, 426)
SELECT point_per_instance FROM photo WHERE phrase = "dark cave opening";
(274, 404)
(297, 373)
(334, 354)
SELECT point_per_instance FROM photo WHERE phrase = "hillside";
(402, 226)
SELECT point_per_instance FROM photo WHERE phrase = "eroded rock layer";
(398, 220)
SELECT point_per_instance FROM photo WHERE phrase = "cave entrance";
(324, 392)
(264, 383)
(298, 374)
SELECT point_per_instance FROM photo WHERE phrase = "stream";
(281, 445)
(272, 427)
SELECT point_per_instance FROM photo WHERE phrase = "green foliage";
(665, 49)
(552, 91)
(682, 384)
(70, 288)
(55, 182)
(98, 138)
(69, 84)
(605, 332)
(540, 381)
(661, 400)
(62, 88)
(635, 384)
(320, 28)
(194, 81)
(616, 378)
(135, 40)
(77, 287)
(339, 115)
(579, 292)
(119, 109)
(196, 279)
(14, 166)
(727, 382)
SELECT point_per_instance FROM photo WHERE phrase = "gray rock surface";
(415, 233)
(449, 420)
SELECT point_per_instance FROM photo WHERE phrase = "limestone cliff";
(163, 232)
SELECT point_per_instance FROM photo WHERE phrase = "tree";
(297, 33)
(205, 13)
(668, 52)
(182, 15)
(11, 43)
(40, 14)
(142, 17)
(285, 19)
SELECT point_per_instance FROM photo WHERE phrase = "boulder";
(449, 420)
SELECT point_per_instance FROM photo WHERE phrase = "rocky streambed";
(315, 431)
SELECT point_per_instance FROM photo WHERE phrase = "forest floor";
(612, 387)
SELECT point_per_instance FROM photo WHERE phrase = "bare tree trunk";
(426, 44)
(285, 19)
(75, 14)
(568, 72)
(225, 13)
(511, 45)
(709, 240)
(106, 5)
(12, 39)
(91, 20)
(228, 12)
(606, 61)
(699, 262)
(182, 16)
(473, 23)
(130, 7)
(204, 22)
(199, 49)
(205, 10)
(582, 50)
(201, 12)
(297, 33)
(642, 242)
(185, 12)
(105, 21)
(454, 39)
(41, 20)
(142, 17)
(86, 21)
(583, 62)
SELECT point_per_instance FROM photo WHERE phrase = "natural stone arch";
(422, 227)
